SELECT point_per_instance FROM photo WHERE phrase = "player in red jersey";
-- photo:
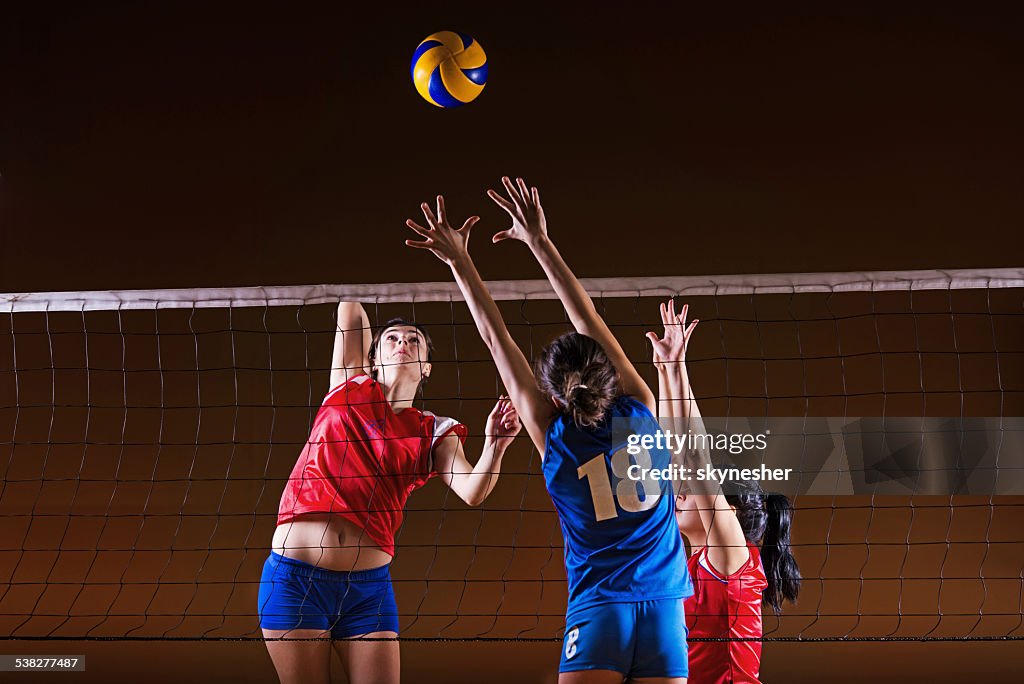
(740, 555)
(368, 449)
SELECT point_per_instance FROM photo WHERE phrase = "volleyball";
(449, 69)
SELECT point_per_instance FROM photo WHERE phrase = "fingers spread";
(523, 190)
(429, 215)
(418, 228)
(442, 215)
(501, 201)
(513, 193)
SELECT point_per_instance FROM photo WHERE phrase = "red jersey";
(362, 460)
(725, 607)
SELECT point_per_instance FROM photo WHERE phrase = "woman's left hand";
(503, 423)
(671, 347)
(448, 244)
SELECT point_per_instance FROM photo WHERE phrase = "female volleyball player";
(739, 539)
(369, 448)
(622, 549)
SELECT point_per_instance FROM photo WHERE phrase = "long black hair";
(766, 519)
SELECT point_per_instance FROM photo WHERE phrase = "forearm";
(667, 399)
(687, 400)
(684, 407)
(486, 316)
(512, 365)
(478, 484)
(586, 320)
(578, 304)
(677, 390)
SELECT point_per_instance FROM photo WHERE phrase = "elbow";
(473, 499)
(491, 339)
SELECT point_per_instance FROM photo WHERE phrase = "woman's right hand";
(450, 245)
(671, 347)
(523, 205)
(503, 423)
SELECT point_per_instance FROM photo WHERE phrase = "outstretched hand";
(447, 244)
(671, 347)
(523, 205)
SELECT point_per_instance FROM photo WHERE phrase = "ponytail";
(575, 370)
(780, 566)
(766, 520)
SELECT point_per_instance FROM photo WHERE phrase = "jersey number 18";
(626, 489)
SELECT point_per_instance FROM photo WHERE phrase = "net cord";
(385, 293)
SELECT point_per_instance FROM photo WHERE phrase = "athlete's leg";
(370, 662)
(366, 634)
(293, 610)
(661, 656)
(300, 662)
(598, 645)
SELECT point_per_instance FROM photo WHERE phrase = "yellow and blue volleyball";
(449, 69)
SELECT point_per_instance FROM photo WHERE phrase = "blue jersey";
(621, 544)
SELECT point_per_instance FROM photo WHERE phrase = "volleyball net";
(146, 437)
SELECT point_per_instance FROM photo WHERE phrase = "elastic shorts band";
(305, 569)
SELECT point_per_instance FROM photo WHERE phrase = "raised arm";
(450, 245)
(530, 226)
(473, 483)
(351, 343)
(670, 400)
(727, 546)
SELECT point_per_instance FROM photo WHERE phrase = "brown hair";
(371, 355)
(577, 373)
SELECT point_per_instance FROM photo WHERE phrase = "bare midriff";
(330, 542)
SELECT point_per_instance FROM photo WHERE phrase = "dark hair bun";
(575, 370)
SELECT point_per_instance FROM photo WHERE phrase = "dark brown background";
(165, 145)
(170, 144)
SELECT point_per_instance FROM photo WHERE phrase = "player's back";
(621, 539)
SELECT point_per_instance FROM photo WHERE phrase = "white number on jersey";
(626, 491)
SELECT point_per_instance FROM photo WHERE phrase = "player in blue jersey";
(624, 559)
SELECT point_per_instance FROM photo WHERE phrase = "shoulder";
(349, 391)
(439, 427)
(556, 426)
(754, 565)
(357, 381)
(626, 404)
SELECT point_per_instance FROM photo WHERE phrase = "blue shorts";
(297, 595)
(641, 639)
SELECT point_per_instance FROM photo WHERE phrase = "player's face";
(401, 345)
